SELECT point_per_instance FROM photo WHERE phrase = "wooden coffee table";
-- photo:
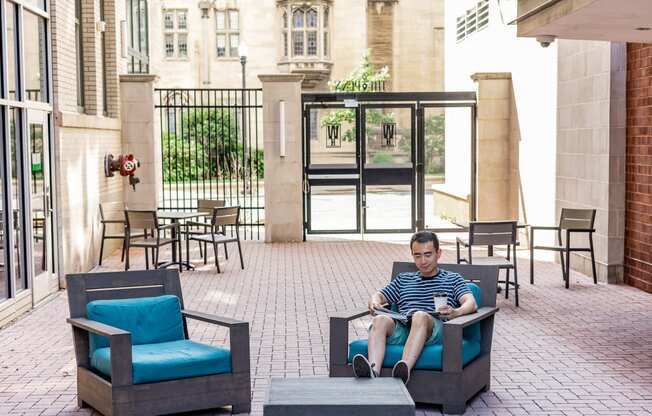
(322, 396)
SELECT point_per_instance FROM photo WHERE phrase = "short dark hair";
(424, 237)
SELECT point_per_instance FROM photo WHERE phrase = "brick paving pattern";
(583, 351)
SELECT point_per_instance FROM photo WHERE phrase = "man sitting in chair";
(413, 294)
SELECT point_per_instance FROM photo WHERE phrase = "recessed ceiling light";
(643, 28)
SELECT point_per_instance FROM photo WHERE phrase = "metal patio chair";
(222, 218)
(571, 221)
(490, 234)
(112, 219)
(152, 237)
(192, 227)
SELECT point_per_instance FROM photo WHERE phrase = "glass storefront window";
(14, 133)
(37, 3)
(11, 49)
(35, 57)
(25, 178)
(38, 197)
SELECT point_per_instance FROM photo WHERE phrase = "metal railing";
(211, 144)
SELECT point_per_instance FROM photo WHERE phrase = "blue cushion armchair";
(449, 373)
(133, 352)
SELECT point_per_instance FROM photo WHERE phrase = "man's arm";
(467, 306)
(376, 300)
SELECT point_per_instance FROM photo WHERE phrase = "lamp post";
(242, 51)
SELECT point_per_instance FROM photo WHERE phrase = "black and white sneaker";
(362, 368)
(402, 371)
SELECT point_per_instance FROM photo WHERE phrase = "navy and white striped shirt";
(411, 292)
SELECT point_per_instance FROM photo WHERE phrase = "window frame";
(16, 113)
(227, 32)
(137, 48)
(293, 34)
(79, 57)
(473, 20)
(176, 33)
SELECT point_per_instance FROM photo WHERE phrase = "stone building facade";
(195, 44)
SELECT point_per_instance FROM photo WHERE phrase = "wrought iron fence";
(212, 149)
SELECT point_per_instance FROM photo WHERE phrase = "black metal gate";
(374, 162)
(211, 149)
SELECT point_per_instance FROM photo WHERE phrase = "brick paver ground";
(583, 351)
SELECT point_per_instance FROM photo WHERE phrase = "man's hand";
(467, 306)
(448, 312)
(372, 305)
(376, 301)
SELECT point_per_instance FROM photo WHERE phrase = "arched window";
(297, 33)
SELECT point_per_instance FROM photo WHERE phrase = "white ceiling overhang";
(610, 20)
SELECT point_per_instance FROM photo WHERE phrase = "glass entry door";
(39, 195)
(388, 159)
(332, 182)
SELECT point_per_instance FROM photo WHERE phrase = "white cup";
(440, 299)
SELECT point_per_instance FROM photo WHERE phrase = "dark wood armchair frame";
(454, 385)
(119, 396)
(571, 221)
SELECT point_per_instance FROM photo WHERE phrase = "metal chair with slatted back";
(490, 234)
(152, 239)
(222, 218)
(571, 221)
(112, 216)
(201, 227)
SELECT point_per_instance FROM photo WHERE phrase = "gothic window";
(306, 35)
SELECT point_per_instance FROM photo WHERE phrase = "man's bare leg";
(421, 329)
(382, 327)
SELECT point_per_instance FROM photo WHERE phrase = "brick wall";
(638, 222)
(64, 55)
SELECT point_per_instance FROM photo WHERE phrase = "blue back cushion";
(149, 320)
(473, 332)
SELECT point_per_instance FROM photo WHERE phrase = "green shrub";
(382, 158)
(208, 145)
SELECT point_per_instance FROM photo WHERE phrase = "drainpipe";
(205, 7)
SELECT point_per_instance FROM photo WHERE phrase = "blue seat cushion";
(168, 361)
(149, 320)
(430, 358)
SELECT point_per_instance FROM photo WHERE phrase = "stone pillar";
(141, 136)
(590, 147)
(283, 175)
(497, 150)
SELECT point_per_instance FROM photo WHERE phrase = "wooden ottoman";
(337, 396)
